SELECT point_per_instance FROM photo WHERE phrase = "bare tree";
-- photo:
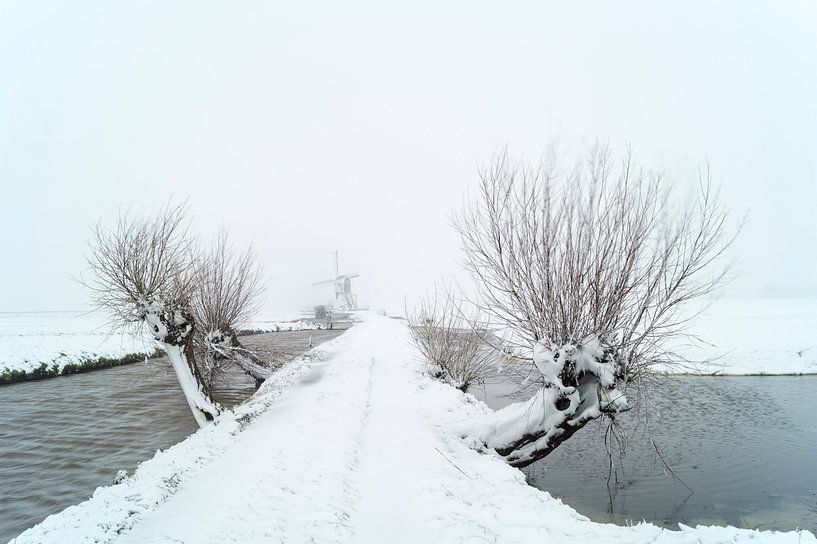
(452, 340)
(144, 272)
(592, 267)
(228, 294)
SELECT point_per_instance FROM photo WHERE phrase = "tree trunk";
(525, 432)
(248, 361)
(173, 329)
(195, 390)
(228, 346)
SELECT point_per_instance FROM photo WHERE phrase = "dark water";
(745, 446)
(62, 438)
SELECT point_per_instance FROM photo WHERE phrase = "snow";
(757, 336)
(516, 420)
(198, 402)
(541, 416)
(350, 443)
(748, 336)
(278, 326)
(744, 336)
(29, 339)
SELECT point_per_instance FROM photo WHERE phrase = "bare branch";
(230, 286)
(452, 340)
(595, 267)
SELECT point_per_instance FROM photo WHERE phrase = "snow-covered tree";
(228, 294)
(591, 267)
(145, 273)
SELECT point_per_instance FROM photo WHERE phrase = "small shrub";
(454, 345)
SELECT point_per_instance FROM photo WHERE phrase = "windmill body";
(345, 299)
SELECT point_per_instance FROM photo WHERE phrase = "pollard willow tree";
(228, 294)
(592, 268)
(145, 273)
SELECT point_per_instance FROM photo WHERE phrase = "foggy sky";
(307, 127)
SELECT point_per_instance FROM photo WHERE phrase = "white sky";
(309, 126)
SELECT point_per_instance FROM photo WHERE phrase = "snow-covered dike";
(350, 444)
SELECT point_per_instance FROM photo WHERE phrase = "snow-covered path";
(290, 476)
(355, 447)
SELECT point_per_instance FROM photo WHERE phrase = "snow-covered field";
(30, 339)
(758, 336)
(277, 325)
(749, 336)
(351, 443)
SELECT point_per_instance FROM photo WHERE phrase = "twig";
(454, 464)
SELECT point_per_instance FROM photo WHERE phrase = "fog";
(309, 127)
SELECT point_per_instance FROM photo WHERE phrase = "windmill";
(345, 300)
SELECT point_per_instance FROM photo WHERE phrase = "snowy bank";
(62, 339)
(352, 443)
(36, 345)
(757, 336)
(750, 336)
(282, 326)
